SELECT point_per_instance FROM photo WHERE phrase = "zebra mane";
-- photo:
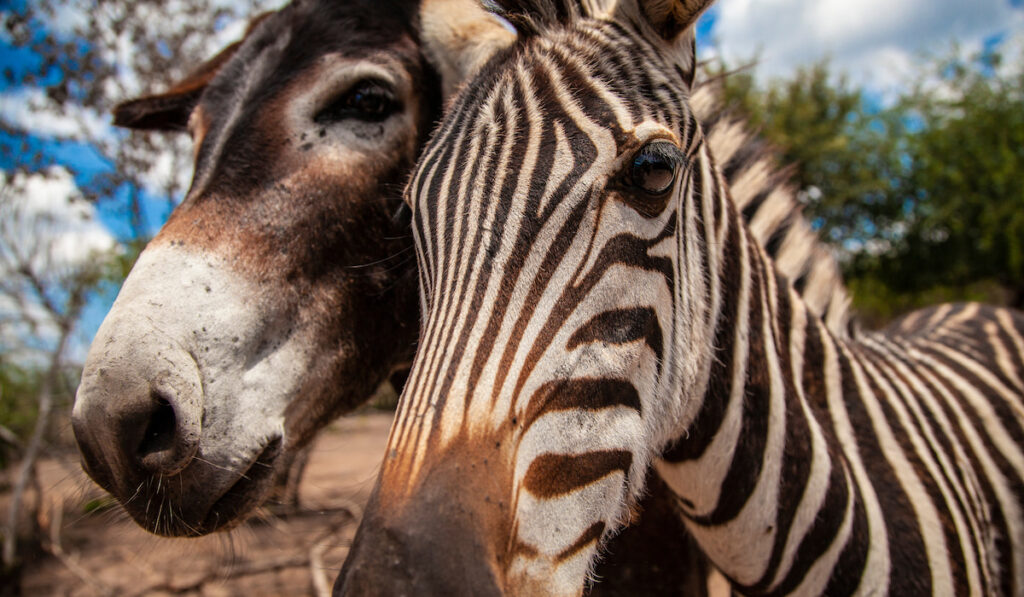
(666, 18)
(531, 17)
(764, 193)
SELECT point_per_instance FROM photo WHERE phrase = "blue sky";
(879, 43)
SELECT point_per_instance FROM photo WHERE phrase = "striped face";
(557, 213)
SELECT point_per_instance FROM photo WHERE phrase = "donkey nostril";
(159, 440)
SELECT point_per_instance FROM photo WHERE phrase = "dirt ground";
(107, 554)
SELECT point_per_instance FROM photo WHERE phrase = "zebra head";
(562, 214)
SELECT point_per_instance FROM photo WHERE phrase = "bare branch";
(11, 438)
(56, 548)
(28, 463)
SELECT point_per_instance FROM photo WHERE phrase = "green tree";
(964, 188)
(843, 156)
(924, 198)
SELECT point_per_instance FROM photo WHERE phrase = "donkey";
(280, 293)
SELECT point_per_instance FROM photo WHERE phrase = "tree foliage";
(922, 196)
(840, 153)
(964, 186)
(88, 56)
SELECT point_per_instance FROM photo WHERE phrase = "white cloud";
(46, 228)
(877, 42)
(47, 220)
(29, 109)
(1012, 50)
(68, 18)
(171, 167)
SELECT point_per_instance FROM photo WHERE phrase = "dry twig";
(70, 562)
(317, 568)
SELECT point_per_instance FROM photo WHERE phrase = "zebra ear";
(675, 21)
(170, 110)
(673, 18)
(458, 37)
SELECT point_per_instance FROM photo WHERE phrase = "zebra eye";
(369, 101)
(653, 169)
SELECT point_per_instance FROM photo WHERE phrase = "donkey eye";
(368, 101)
(653, 169)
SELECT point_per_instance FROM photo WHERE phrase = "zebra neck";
(752, 459)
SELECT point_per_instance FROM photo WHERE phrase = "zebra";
(593, 305)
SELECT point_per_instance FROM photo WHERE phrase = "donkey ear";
(458, 37)
(170, 110)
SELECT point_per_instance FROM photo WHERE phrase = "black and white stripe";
(577, 331)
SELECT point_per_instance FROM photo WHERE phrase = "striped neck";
(748, 455)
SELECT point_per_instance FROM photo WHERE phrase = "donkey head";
(548, 214)
(281, 291)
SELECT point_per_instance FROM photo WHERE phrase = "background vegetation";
(921, 195)
(922, 198)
